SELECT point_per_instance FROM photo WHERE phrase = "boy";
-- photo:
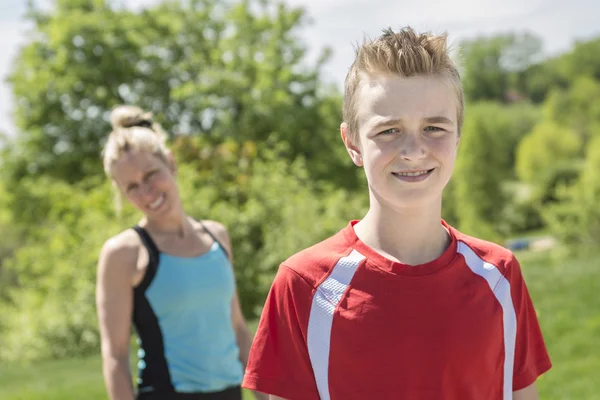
(400, 305)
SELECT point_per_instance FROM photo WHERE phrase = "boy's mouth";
(413, 176)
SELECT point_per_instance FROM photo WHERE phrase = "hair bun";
(127, 116)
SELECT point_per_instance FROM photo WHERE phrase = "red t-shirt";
(342, 322)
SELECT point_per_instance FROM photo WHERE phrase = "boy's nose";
(412, 148)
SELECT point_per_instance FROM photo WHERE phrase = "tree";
(552, 154)
(548, 157)
(492, 64)
(575, 219)
(582, 60)
(49, 310)
(577, 107)
(204, 67)
(248, 116)
(549, 145)
(538, 80)
(274, 210)
(11, 238)
(486, 152)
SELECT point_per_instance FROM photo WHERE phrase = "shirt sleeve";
(279, 363)
(531, 355)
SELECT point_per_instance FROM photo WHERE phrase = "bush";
(575, 219)
(485, 160)
(272, 209)
(50, 311)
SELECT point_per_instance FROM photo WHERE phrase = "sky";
(339, 24)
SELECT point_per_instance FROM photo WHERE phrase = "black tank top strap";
(215, 239)
(153, 257)
(156, 375)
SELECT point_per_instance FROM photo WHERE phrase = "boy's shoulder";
(314, 263)
(490, 252)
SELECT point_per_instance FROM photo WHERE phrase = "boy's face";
(407, 139)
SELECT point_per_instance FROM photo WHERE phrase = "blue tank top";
(182, 315)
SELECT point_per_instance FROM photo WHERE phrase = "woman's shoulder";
(121, 248)
(217, 230)
(215, 227)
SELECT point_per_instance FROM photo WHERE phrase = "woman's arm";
(243, 337)
(114, 302)
(242, 333)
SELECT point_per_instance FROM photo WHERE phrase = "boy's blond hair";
(406, 53)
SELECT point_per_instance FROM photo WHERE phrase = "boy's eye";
(388, 131)
(131, 188)
(433, 129)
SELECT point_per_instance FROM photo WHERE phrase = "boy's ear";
(352, 148)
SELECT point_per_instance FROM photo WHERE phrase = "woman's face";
(148, 182)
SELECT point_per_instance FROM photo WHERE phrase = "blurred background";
(250, 92)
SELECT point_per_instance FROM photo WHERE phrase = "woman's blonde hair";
(133, 130)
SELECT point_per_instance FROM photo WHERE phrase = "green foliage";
(449, 205)
(256, 134)
(582, 60)
(577, 107)
(478, 195)
(494, 64)
(538, 80)
(575, 219)
(50, 311)
(545, 149)
(551, 155)
(11, 237)
(218, 69)
(485, 157)
(271, 207)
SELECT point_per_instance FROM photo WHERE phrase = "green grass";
(58, 380)
(75, 379)
(566, 295)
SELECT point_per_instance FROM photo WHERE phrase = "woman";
(170, 277)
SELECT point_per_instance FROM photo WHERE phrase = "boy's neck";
(411, 237)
